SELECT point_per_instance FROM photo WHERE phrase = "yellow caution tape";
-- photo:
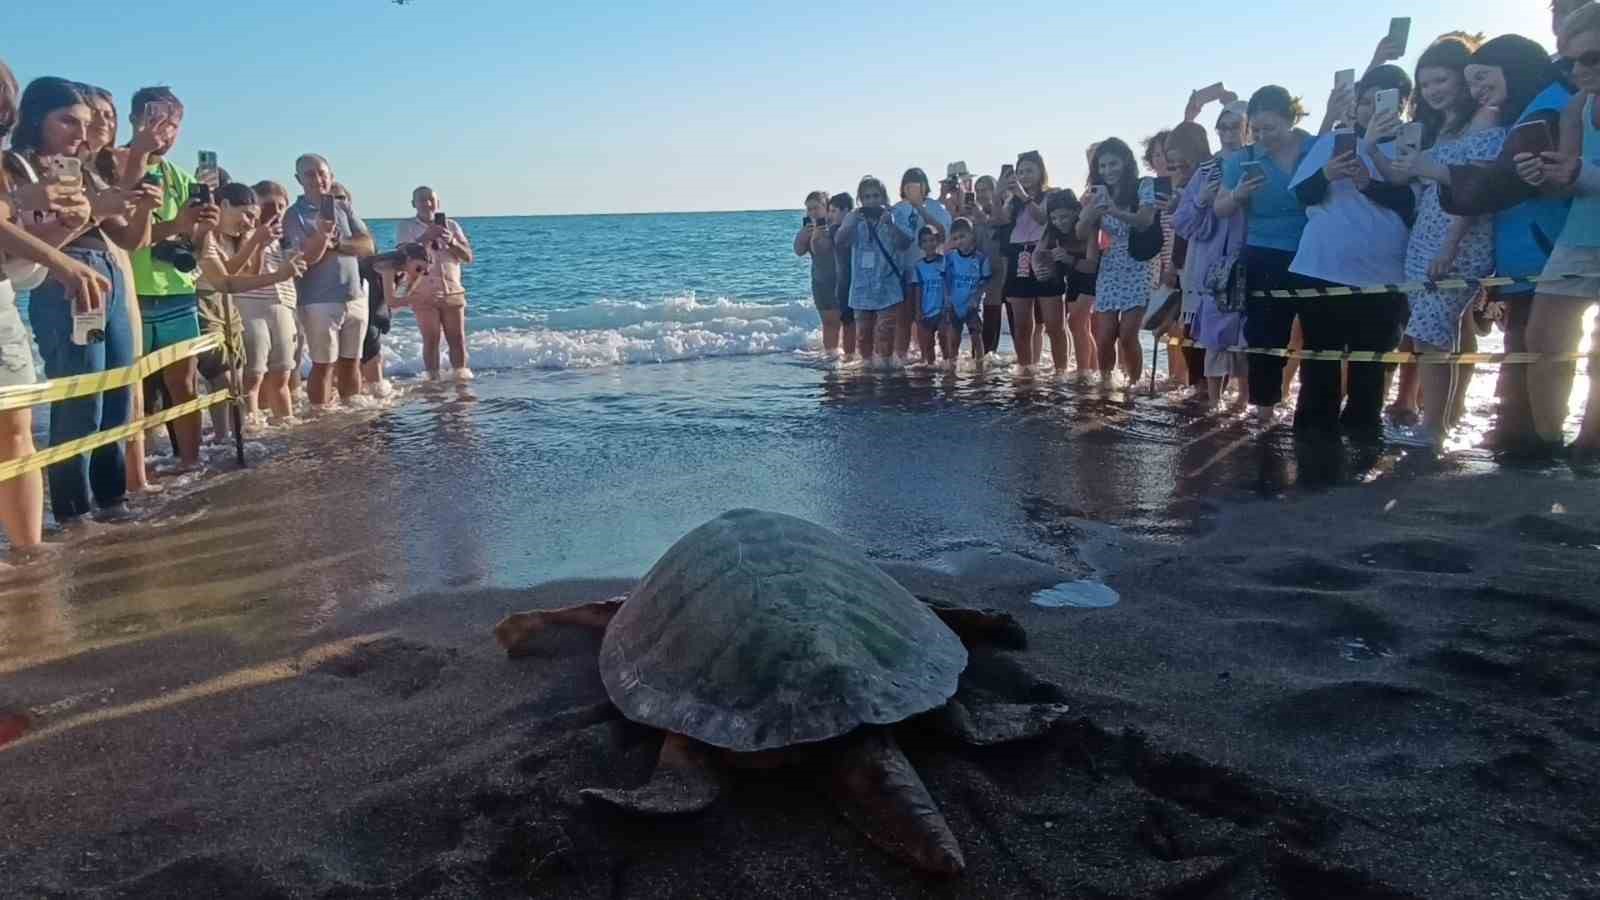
(1425, 358)
(25, 395)
(1449, 284)
(12, 469)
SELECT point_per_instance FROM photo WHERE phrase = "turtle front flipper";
(880, 793)
(980, 626)
(517, 631)
(682, 783)
(999, 723)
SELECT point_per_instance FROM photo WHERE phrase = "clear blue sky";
(511, 107)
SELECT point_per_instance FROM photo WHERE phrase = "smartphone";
(1251, 169)
(1163, 187)
(1344, 141)
(1006, 170)
(200, 194)
(65, 170)
(806, 222)
(971, 198)
(208, 161)
(1411, 137)
(328, 212)
(89, 327)
(1209, 93)
(1344, 78)
(152, 178)
(1387, 101)
(155, 111)
(1400, 34)
(440, 220)
(1532, 136)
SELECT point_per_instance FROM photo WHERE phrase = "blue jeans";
(102, 471)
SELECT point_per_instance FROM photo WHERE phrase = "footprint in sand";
(1420, 555)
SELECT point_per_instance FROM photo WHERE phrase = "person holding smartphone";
(877, 283)
(1256, 181)
(331, 239)
(1555, 321)
(52, 128)
(1211, 239)
(1357, 230)
(1512, 74)
(1120, 203)
(1023, 195)
(25, 262)
(814, 240)
(440, 300)
(838, 207)
(917, 208)
(1442, 244)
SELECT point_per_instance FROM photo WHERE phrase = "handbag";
(1145, 244)
(1227, 278)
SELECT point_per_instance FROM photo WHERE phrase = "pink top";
(444, 275)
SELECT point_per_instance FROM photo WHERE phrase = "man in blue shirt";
(332, 298)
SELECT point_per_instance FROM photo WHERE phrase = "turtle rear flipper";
(880, 793)
(517, 632)
(1000, 723)
(682, 783)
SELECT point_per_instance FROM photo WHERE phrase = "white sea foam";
(613, 333)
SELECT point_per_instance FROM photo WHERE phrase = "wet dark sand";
(1331, 673)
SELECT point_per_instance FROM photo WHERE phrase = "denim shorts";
(16, 343)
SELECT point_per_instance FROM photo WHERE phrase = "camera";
(873, 213)
(176, 252)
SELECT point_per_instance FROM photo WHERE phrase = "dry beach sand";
(1378, 691)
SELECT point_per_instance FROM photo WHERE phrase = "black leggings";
(1362, 322)
(991, 325)
(1268, 322)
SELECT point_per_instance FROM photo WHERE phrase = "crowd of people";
(1485, 160)
(122, 252)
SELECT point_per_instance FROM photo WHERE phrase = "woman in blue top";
(1514, 75)
(1555, 323)
(915, 210)
(1256, 180)
(877, 281)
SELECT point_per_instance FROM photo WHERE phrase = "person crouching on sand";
(439, 301)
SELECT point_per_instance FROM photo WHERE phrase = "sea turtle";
(761, 638)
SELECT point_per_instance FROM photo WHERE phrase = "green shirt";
(151, 277)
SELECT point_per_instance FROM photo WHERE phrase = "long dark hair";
(1034, 157)
(1127, 194)
(1527, 68)
(1454, 54)
(42, 97)
(1062, 199)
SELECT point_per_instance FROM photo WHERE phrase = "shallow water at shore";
(527, 476)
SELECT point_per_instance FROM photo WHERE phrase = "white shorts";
(1569, 260)
(271, 331)
(334, 331)
(1222, 363)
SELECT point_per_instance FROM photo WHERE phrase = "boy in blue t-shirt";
(927, 282)
(967, 272)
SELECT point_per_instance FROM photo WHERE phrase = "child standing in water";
(928, 295)
(967, 272)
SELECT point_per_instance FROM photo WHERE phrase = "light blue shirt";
(877, 279)
(965, 277)
(929, 274)
(1274, 217)
(909, 221)
(336, 278)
